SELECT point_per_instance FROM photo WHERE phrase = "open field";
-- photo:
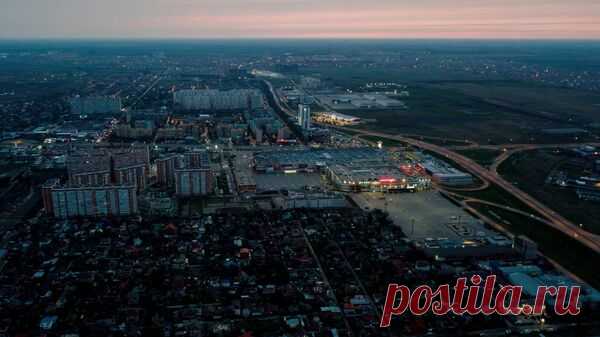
(497, 195)
(483, 157)
(487, 112)
(547, 102)
(529, 171)
(444, 113)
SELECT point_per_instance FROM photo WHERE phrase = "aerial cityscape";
(294, 168)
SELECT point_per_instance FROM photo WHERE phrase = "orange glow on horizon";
(493, 19)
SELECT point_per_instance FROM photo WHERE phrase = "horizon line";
(299, 38)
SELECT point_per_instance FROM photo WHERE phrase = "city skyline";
(464, 19)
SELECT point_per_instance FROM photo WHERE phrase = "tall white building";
(304, 116)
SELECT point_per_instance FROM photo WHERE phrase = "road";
(518, 146)
(466, 204)
(555, 220)
(527, 147)
(289, 117)
(324, 277)
(277, 100)
(152, 85)
(505, 155)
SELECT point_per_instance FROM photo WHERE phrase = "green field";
(447, 112)
(546, 102)
(487, 112)
(483, 157)
(497, 195)
(529, 171)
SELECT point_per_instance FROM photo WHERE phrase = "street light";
(542, 321)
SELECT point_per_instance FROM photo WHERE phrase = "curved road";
(500, 227)
(554, 219)
(517, 146)
(526, 147)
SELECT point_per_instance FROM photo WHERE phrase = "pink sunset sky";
(519, 19)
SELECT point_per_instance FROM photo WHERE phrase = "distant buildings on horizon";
(212, 99)
(93, 105)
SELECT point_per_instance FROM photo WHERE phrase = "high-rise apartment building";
(304, 116)
(131, 168)
(64, 201)
(89, 170)
(165, 169)
(102, 182)
(193, 182)
(106, 166)
(189, 173)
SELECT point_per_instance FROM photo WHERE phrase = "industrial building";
(349, 169)
(336, 118)
(359, 177)
(444, 174)
(312, 160)
(244, 177)
(353, 101)
(484, 246)
(312, 200)
(531, 277)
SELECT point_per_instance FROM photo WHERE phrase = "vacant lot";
(481, 156)
(489, 112)
(546, 102)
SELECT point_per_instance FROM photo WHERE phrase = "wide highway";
(554, 219)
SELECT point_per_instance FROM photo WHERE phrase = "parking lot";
(291, 182)
(423, 215)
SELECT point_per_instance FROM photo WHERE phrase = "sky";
(461, 19)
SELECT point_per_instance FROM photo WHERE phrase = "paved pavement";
(556, 220)
(424, 214)
(292, 182)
